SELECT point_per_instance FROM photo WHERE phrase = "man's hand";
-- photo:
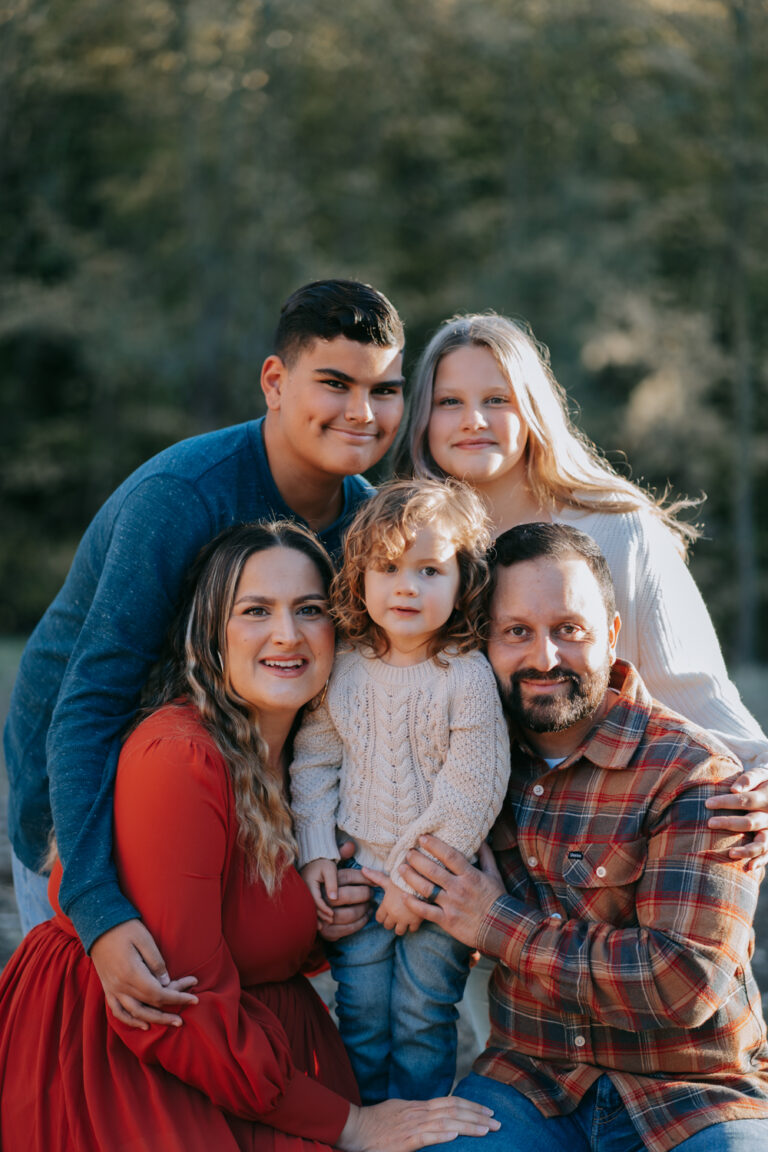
(748, 799)
(135, 981)
(351, 908)
(394, 912)
(466, 895)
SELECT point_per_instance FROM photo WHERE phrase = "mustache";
(553, 674)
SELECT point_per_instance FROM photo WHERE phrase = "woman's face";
(476, 432)
(280, 637)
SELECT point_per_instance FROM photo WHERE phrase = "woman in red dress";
(204, 848)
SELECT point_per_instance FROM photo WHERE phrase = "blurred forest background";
(170, 171)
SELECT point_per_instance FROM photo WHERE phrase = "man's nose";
(544, 654)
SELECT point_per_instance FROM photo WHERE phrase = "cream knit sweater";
(666, 631)
(393, 752)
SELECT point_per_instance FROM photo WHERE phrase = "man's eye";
(570, 629)
(386, 390)
(339, 385)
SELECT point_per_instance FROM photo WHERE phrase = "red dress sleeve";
(175, 834)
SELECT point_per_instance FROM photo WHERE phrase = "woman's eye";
(311, 610)
(446, 402)
(496, 400)
(255, 610)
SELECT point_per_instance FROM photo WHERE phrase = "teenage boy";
(333, 387)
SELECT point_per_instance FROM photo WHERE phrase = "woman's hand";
(135, 981)
(405, 1125)
(351, 908)
(748, 798)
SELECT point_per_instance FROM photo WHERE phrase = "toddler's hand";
(318, 875)
(394, 913)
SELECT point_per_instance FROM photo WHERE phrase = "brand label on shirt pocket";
(605, 864)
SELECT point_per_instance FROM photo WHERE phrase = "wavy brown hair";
(385, 527)
(192, 669)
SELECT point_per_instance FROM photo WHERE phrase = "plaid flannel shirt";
(625, 938)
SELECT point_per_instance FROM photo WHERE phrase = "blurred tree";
(171, 170)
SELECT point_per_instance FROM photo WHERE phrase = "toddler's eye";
(429, 570)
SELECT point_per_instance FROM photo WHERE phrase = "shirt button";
(532, 861)
(538, 790)
(579, 1041)
(600, 872)
(556, 916)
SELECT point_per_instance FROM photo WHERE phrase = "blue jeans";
(31, 895)
(601, 1123)
(396, 1003)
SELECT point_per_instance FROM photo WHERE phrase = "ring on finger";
(432, 898)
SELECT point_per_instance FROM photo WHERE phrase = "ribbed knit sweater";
(666, 630)
(393, 753)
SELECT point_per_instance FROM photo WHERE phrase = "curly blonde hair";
(385, 527)
(192, 669)
(563, 466)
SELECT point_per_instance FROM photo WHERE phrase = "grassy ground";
(753, 684)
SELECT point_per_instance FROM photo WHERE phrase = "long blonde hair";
(563, 466)
(193, 668)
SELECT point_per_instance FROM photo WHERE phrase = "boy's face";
(338, 406)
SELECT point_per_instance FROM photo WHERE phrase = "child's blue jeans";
(396, 1003)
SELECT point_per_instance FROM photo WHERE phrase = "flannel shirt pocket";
(603, 874)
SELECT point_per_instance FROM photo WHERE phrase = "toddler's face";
(412, 596)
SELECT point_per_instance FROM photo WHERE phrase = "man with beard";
(624, 1014)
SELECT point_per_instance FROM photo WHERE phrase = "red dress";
(257, 1063)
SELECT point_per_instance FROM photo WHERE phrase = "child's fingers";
(323, 910)
(330, 880)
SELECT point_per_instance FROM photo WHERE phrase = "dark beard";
(555, 713)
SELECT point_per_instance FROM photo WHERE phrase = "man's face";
(551, 643)
(337, 406)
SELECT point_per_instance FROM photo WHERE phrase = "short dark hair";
(558, 541)
(326, 309)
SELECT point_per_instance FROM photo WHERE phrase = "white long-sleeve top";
(393, 753)
(666, 630)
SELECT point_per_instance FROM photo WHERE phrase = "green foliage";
(172, 170)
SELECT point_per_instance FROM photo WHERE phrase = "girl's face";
(476, 432)
(280, 638)
(412, 596)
